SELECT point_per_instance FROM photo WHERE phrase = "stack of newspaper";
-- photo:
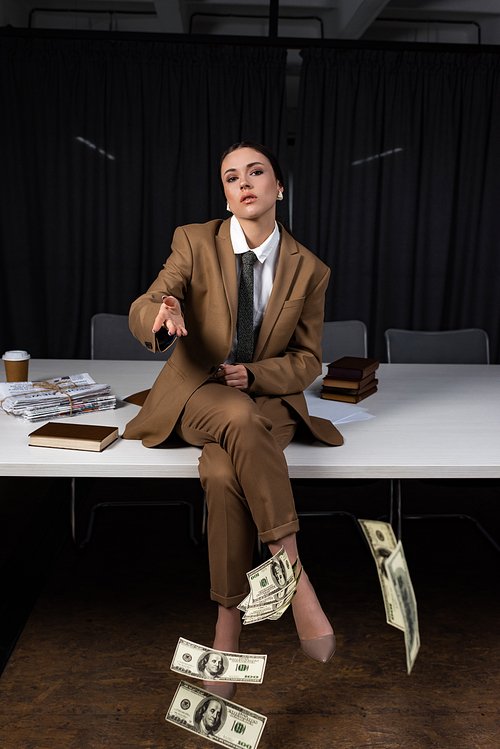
(272, 587)
(49, 399)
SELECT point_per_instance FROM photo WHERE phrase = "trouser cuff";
(228, 602)
(276, 533)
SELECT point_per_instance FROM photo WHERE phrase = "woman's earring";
(279, 196)
(228, 208)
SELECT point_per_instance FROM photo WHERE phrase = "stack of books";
(350, 379)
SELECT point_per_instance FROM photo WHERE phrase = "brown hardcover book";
(352, 367)
(350, 391)
(334, 382)
(74, 436)
(349, 398)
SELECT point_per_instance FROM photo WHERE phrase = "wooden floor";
(91, 667)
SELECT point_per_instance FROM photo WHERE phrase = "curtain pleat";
(396, 186)
(105, 147)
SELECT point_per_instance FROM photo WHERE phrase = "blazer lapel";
(285, 274)
(228, 270)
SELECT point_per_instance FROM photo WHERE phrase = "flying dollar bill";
(382, 542)
(200, 662)
(399, 577)
(215, 718)
(272, 576)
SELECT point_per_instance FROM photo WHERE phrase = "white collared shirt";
(264, 272)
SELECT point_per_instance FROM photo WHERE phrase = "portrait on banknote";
(210, 716)
(278, 573)
(381, 554)
(212, 665)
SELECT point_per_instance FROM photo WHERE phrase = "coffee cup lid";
(16, 355)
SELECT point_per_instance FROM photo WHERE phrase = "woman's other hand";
(170, 317)
(233, 375)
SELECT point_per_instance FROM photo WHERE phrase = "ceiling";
(455, 21)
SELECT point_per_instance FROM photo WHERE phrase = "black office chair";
(343, 338)
(110, 338)
(465, 346)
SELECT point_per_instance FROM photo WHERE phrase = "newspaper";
(215, 718)
(61, 396)
(200, 662)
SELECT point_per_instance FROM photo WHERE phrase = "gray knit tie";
(244, 324)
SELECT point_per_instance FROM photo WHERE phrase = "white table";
(432, 421)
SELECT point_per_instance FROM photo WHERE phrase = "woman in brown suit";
(241, 408)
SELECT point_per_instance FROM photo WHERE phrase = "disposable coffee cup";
(16, 365)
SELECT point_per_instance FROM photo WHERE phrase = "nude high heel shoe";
(319, 649)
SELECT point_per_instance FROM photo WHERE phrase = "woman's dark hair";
(256, 147)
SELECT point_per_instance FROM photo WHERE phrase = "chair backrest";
(110, 338)
(466, 346)
(343, 338)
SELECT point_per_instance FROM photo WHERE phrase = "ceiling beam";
(355, 16)
(447, 6)
(170, 16)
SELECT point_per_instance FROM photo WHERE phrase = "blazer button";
(212, 369)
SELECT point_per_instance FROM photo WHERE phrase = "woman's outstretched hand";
(233, 375)
(170, 317)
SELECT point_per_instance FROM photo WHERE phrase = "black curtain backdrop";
(105, 147)
(397, 186)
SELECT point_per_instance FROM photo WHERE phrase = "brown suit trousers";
(245, 476)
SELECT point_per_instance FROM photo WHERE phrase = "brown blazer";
(201, 273)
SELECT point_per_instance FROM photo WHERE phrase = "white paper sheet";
(336, 411)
